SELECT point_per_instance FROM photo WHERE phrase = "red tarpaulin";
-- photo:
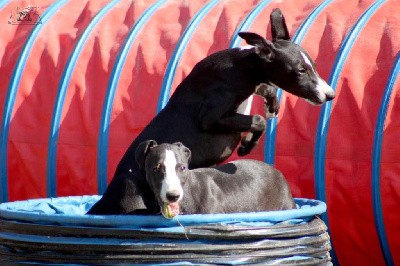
(66, 123)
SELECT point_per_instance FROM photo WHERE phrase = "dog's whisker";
(183, 228)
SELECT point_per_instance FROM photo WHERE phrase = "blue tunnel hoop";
(62, 90)
(104, 131)
(17, 146)
(12, 91)
(270, 136)
(178, 52)
(323, 124)
(376, 163)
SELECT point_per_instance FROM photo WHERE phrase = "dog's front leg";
(271, 101)
(271, 107)
(224, 119)
(219, 115)
(233, 123)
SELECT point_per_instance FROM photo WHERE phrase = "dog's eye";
(302, 70)
(157, 168)
(182, 168)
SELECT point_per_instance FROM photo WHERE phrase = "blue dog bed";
(57, 231)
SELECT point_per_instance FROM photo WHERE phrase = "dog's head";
(166, 167)
(288, 65)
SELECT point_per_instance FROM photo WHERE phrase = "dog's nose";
(173, 195)
(330, 96)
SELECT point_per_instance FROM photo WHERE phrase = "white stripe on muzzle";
(171, 180)
(322, 88)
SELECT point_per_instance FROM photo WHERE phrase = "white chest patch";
(246, 47)
(171, 180)
(245, 106)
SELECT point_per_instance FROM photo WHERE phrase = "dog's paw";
(271, 109)
(247, 144)
(270, 115)
(246, 139)
(242, 151)
(258, 123)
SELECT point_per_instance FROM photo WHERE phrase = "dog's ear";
(185, 150)
(278, 26)
(264, 48)
(142, 150)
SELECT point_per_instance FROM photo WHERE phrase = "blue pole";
(323, 124)
(246, 23)
(12, 92)
(177, 54)
(104, 131)
(376, 162)
(62, 91)
(270, 136)
(322, 130)
(3, 3)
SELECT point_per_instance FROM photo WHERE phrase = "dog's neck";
(257, 68)
(187, 178)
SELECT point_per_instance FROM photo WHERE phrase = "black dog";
(204, 112)
(239, 186)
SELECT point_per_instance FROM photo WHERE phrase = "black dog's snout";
(173, 195)
(330, 96)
